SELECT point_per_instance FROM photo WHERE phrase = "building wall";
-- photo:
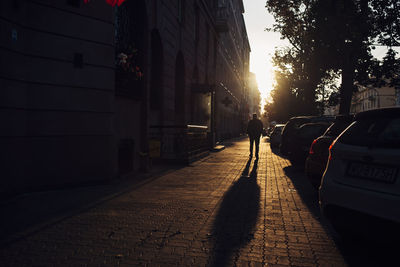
(177, 37)
(57, 91)
(187, 38)
(232, 91)
(63, 121)
(211, 58)
(367, 98)
(131, 103)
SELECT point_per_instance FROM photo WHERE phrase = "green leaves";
(329, 37)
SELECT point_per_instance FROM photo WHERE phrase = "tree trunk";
(346, 92)
(346, 89)
(311, 108)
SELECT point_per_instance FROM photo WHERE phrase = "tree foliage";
(329, 38)
(285, 102)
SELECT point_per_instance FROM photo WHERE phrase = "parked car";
(360, 188)
(290, 130)
(275, 137)
(264, 132)
(306, 134)
(319, 150)
(269, 130)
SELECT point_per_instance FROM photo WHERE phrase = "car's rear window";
(336, 128)
(300, 122)
(373, 132)
(294, 123)
(312, 130)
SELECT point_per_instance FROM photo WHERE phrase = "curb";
(218, 148)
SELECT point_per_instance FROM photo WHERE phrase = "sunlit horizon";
(262, 44)
(265, 78)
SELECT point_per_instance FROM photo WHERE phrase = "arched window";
(181, 11)
(196, 26)
(180, 88)
(157, 63)
(207, 52)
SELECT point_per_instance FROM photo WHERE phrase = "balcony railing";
(180, 142)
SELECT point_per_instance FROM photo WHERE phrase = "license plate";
(373, 172)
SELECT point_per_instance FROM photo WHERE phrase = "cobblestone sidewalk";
(224, 210)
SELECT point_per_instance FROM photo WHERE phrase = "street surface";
(223, 210)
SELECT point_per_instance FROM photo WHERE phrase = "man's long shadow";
(236, 219)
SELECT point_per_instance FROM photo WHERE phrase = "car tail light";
(311, 147)
(330, 149)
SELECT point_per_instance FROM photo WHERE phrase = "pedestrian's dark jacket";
(254, 128)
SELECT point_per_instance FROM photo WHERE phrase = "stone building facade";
(56, 94)
(91, 92)
(231, 87)
(368, 97)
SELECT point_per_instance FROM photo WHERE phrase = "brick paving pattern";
(223, 210)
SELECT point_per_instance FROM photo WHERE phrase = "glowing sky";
(262, 43)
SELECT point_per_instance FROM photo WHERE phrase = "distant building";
(254, 96)
(368, 97)
(331, 110)
(231, 80)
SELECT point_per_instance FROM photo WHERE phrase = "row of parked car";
(353, 161)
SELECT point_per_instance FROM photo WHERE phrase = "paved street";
(223, 210)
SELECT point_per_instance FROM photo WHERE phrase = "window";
(181, 11)
(336, 128)
(179, 85)
(196, 25)
(207, 52)
(157, 62)
(373, 132)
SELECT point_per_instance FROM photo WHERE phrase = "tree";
(297, 62)
(286, 103)
(387, 21)
(331, 37)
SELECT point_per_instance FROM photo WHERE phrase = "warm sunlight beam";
(262, 44)
(264, 74)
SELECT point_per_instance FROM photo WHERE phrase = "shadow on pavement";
(236, 218)
(275, 150)
(308, 194)
(356, 250)
(367, 252)
(27, 213)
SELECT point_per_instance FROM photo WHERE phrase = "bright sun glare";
(265, 78)
(262, 44)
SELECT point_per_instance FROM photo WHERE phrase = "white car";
(360, 187)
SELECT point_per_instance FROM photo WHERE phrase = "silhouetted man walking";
(254, 130)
